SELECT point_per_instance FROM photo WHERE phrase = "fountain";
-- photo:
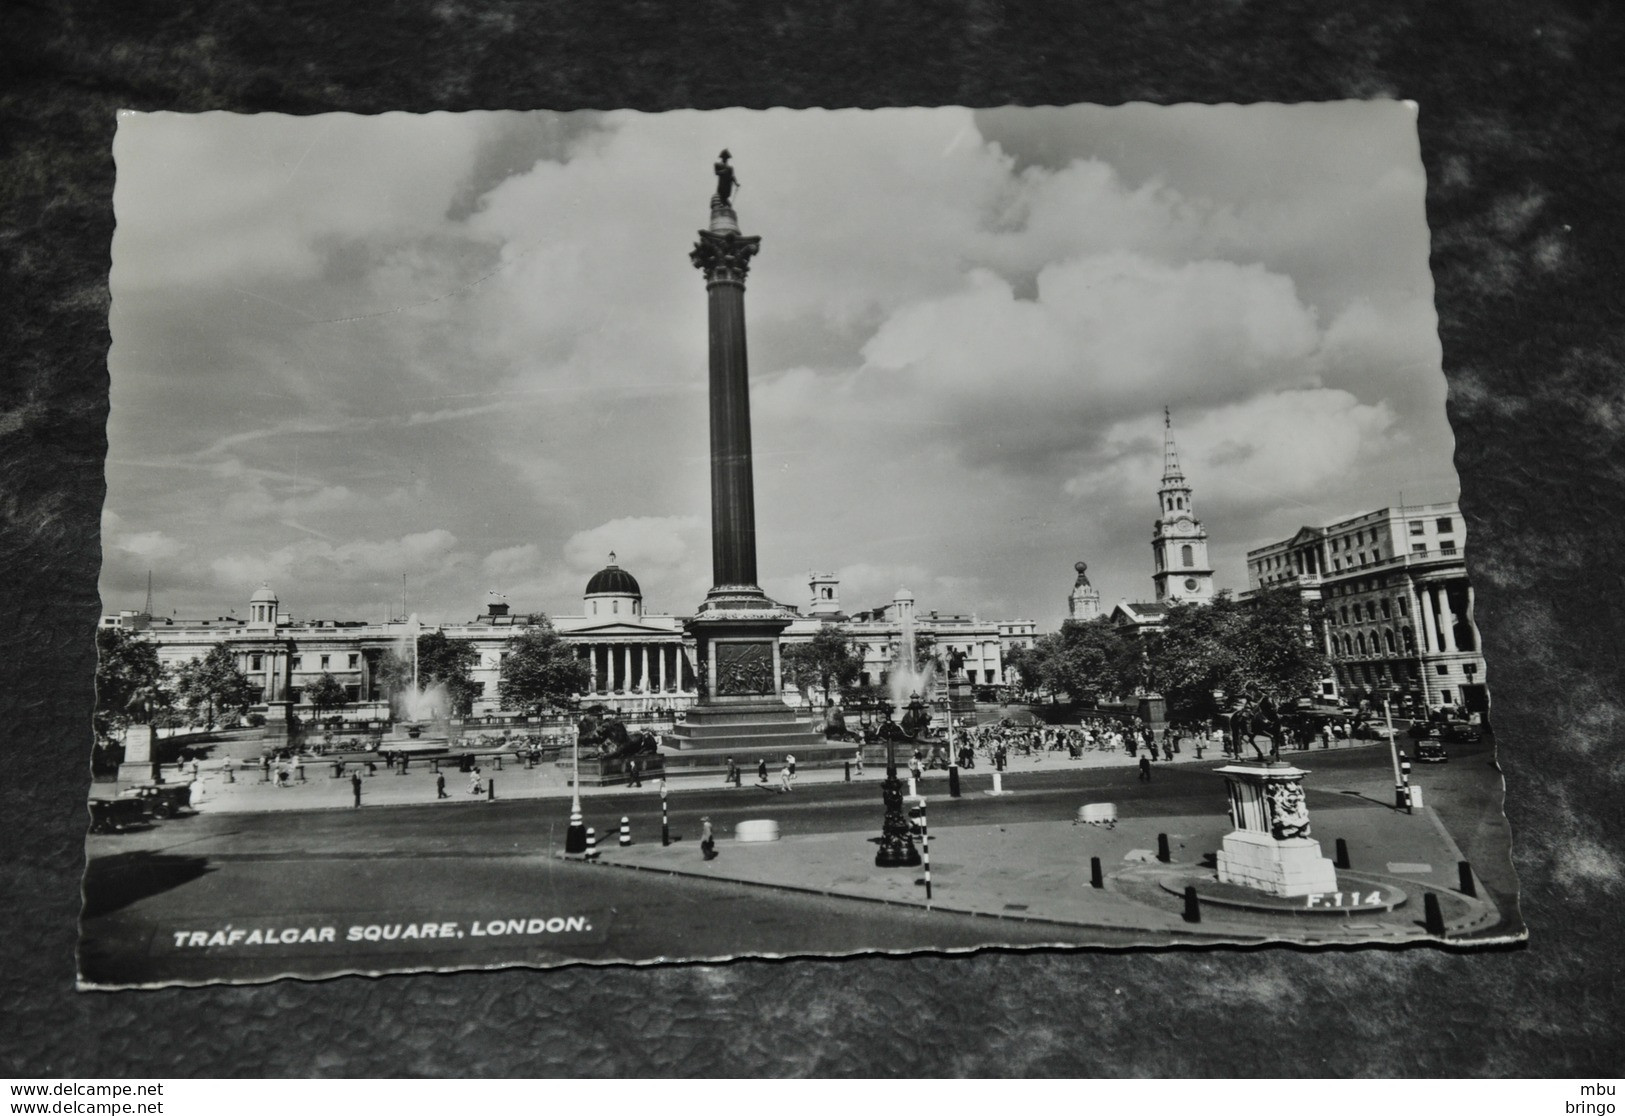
(418, 707)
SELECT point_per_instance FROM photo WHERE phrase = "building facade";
(639, 661)
(1395, 605)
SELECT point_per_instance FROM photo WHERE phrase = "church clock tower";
(1178, 540)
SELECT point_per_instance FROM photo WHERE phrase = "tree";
(392, 673)
(327, 693)
(451, 663)
(1228, 645)
(1085, 657)
(1025, 665)
(214, 685)
(826, 661)
(129, 680)
(540, 670)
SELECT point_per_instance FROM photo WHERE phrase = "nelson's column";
(741, 709)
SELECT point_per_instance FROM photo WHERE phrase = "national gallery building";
(640, 661)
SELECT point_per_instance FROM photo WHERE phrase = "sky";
(396, 363)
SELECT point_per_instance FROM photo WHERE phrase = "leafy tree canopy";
(450, 662)
(327, 693)
(213, 685)
(130, 681)
(540, 670)
(827, 661)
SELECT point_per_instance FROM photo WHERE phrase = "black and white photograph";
(542, 538)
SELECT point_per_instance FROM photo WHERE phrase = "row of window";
(325, 662)
(1357, 644)
(1370, 609)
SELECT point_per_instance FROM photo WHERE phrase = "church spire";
(1171, 473)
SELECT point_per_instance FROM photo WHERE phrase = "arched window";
(595, 608)
(615, 606)
(1187, 556)
(1359, 641)
(1388, 639)
(1345, 614)
(1409, 638)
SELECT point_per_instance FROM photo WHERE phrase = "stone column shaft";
(733, 494)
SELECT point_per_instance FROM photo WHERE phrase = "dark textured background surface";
(1521, 134)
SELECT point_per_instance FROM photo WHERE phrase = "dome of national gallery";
(613, 580)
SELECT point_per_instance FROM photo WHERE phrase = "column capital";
(725, 256)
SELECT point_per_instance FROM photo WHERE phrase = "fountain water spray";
(908, 676)
(417, 703)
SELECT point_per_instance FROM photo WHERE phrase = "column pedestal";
(140, 757)
(1270, 849)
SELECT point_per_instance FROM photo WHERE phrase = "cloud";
(1255, 454)
(963, 327)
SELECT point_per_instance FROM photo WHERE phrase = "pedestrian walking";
(474, 781)
(632, 779)
(761, 771)
(708, 841)
(790, 762)
(1167, 749)
(784, 780)
(440, 787)
(355, 785)
(1145, 769)
(858, 761)
(733, 773)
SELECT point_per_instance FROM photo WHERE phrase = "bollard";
(592, 843)
(1342, 860)
(953, 780)
(338, 770)
(575, 837)
(1433, 916)
(231, 776)
(626, 831)
(998, 783)
(848, 766)
(1193, 912)
(1162, 848)
(1096, 878)
(913, 788)
(1464, 870)
(299, 771)
(925, 844)
(491, 791)
(665, 824)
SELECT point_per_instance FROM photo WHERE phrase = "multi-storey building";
(638, 660)
(1396, 609)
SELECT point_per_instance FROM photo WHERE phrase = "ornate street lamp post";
(896, 839)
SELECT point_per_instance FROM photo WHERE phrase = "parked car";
(1449, 732)
(1374, 730)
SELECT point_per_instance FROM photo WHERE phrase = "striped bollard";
(1405, 780)
(626, 831)
(665, 822)
(592, 843)
(925, 846)
(575, 838)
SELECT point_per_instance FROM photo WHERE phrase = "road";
(422, 866)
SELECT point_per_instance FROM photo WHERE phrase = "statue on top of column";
(726, 179)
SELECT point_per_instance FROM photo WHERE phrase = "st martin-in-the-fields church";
(1181, 571)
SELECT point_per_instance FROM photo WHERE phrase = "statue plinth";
(140, 763)
(1271, 849)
